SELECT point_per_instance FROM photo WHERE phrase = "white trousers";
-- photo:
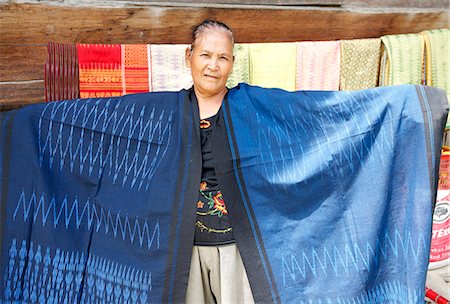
(217, 275)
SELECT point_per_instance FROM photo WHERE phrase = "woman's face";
(211, 62)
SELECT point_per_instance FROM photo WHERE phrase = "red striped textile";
(61, 72)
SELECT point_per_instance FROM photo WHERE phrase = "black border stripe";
(182, 231)
(249, 249)
(427, 134)
(432, 101)
(187, 231)
(177, 201)
(437, 112)
(6, 118)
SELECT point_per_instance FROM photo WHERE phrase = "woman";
(217, 274)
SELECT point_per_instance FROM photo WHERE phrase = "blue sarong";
(330, 194)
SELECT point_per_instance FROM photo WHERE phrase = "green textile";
(404, 59)
(438, 57)
(437, 45)
(241, 69)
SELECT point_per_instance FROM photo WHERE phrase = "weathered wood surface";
(37, 24)
(21, 62)
(25, 30)
(443, 4)
(20, 94)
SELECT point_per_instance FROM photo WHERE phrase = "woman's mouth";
(211, 76)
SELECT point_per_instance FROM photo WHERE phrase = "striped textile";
(135, 68)
(241, 68)
(402, 59)
(272, 65)
(61, 72)
(113, 69)
(169, 70)
(437, 60)
(318, 64)
(360, 63)
(100, 70)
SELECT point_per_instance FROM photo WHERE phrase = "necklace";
(205, 124)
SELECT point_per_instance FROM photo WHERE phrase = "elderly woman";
(217, 274)
(311, 186)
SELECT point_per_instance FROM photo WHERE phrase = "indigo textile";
(330, 194)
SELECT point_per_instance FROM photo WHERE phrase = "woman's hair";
(209, 24)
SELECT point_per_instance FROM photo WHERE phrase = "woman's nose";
(212, 64)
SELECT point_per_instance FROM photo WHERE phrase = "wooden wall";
(27, 26)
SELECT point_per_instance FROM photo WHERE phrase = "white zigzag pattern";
(339, 260)
(387, 292)
(99, 136)
(69, 213)
(279, 137)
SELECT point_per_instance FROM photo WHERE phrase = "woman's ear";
(187, 57)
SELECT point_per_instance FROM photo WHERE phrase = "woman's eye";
(224, 58)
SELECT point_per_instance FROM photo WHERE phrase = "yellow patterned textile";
(273, 65)
(360, 63)
(241, 69)
(402, 60)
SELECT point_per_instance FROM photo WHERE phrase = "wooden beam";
(22, 62)
(411, 4)
(441, 4)
(19, 94)
(37, 24)
(25, 30)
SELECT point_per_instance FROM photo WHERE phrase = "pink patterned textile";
(318, 65)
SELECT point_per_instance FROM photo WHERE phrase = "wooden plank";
(197, 3)
(25, 30)
(14, 95)
(37, 24)
(22, 62)
(443, 4)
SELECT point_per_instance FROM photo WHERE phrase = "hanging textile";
(325, 189)
(437, 59)
(169, 70)
(360, 63)
(318, 65)
(272, 65)
(100, 70)
(61, 72)
(113, 69)
(241, 68)
(136, 68)
(402, 59)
